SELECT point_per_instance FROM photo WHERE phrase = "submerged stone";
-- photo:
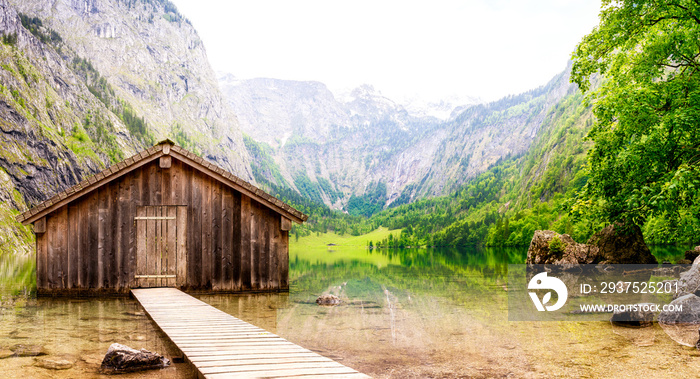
(6, 353)
(20, 350)
(121, 358)
(328, 300)
(132, 337)
(54, 363)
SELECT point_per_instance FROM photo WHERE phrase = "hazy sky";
(427, 48)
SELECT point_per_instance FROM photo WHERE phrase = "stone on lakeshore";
(570, 252)
(121, 358)
(692, 254)
(696, 261)
(612, 245)
(622, 245)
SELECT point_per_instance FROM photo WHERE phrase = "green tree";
(646, 153)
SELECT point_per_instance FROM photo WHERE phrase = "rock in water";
(120, 358)
(682, 326)
(689, 282)
(636, 316)
(622, 245)
(54, 363)
(6, 353)
(27, 350)
(692, 254)
(612, 245)
(328, 300)
(690, 313)
(543, 251)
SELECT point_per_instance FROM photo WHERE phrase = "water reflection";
(405, 313)
(443, 313)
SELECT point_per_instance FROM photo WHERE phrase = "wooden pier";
(222, 346)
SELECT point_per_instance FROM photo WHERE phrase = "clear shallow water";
(79, 332)
(408, 313)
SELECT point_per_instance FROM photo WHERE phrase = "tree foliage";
(644, 162)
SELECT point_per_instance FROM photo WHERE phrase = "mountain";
(362, 152)
(327, 148)
(272, 110)
(84, 84)
(154, 60)
(487, 133)
(443, 109)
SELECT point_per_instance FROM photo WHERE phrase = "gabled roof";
(166, 147)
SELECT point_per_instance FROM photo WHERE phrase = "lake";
(406, 313)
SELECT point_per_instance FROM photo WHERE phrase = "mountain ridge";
(154, 60)
(364, 139)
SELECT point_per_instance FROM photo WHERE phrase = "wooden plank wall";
(233, 243)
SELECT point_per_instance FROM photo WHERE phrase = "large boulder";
(682, 326)
(120, 358)
(692, 254)
(549, 247)
(689, 282)
(618, 244)
(614, 244)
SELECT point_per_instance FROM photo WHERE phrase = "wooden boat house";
(162, 218)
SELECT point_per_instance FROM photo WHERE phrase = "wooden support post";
(40, 225)
(286, 224)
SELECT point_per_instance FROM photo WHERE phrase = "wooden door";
(160, 246)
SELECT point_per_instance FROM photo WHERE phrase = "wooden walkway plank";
(222, 346)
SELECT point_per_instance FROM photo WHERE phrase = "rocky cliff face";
(86, 83)
(332, 148)
(156, 62)
(482, 135)
(342, 146)
(272, 110)
(53, 130)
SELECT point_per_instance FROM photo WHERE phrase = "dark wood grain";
(246, 243)
(216, 220)
(227, 241)
(219, 239)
